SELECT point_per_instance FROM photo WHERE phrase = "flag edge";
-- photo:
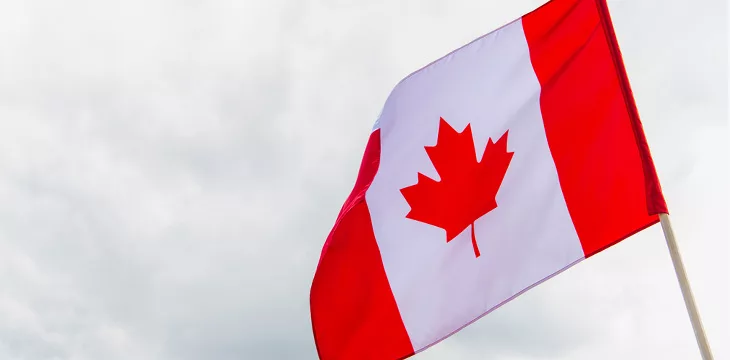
(655, 201)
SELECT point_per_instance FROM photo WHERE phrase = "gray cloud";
(170, 170)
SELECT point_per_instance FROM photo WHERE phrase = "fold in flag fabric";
(488, 171)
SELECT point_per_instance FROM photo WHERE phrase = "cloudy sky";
(169, 171)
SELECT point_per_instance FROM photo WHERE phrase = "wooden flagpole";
(689, 300)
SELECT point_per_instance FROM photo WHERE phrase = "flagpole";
(689, 300)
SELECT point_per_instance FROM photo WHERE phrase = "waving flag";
(489, 171)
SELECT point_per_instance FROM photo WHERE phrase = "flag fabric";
(488, 171)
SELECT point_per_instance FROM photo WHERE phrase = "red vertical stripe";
(592, 126)
(354, 313)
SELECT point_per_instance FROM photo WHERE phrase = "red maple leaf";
(467, 188)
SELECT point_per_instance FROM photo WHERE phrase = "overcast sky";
(169, 171)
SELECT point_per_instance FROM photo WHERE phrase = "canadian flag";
(489, 171)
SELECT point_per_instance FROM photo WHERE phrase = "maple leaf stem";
(474, 241)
